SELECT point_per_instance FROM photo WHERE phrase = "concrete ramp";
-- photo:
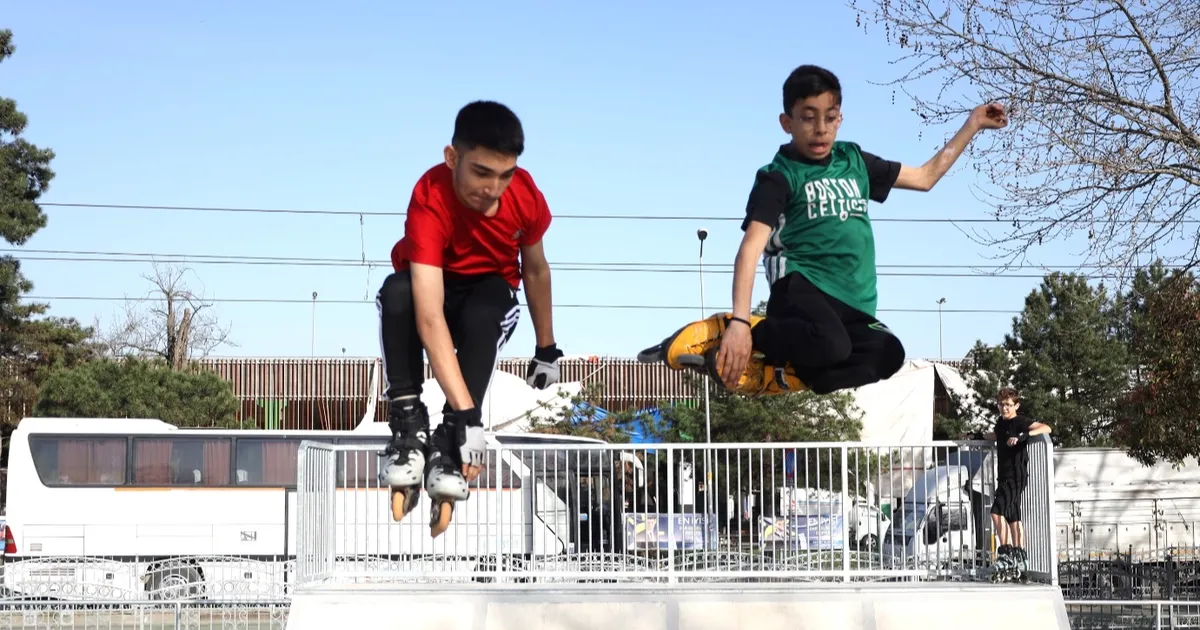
(807, 606)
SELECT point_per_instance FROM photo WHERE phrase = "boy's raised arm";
(926, 176)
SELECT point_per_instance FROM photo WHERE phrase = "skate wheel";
(401, 503)
(440, 521)
(694, 363)
(691, 360)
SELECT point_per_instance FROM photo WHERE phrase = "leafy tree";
(1158, 420)
(1065, 355)
(29, 347)
(138, 388)
(1104, 132)
(580, 417)
(800, 417)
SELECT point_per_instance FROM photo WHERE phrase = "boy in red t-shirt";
(473, 234)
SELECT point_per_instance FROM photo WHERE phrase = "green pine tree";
(30, 345)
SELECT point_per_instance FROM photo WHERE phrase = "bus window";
(79, 461)
(181, 461)
(266, 462)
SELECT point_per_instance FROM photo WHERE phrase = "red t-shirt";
(440, 231)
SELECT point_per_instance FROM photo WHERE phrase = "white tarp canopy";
(899, 410)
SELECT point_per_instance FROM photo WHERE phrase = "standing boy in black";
(1011, 433)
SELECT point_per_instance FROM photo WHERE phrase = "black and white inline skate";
(455, 459)
(1010, 565)
(404, 457)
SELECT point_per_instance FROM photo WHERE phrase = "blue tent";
(638, 434)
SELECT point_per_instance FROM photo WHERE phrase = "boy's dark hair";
(807, 81)
(1008, 393)
(490, 125)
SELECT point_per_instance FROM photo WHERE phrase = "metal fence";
(178, 615)
(183, 615)
(673, 513)
(1137, 615)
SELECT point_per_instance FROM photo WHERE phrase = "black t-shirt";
(1012, 460)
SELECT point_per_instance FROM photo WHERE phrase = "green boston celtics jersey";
(824, 231)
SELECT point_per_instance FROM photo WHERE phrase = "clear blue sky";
(632, 109)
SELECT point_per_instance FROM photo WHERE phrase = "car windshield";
(912, 514)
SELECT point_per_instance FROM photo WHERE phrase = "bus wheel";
(174, 582)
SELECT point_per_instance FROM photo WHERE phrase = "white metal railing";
(178, 615)
(671, 513)
(1037, 511)
(112, 615)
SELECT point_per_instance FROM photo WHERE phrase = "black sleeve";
(881, 175)
(768, 199)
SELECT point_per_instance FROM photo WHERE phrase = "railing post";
(303, 507)
(1050, 502)
(845, 500)
(671, 515)
(331, 510)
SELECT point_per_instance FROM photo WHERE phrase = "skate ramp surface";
(899, 606)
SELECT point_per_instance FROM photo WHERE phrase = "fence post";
(845, 529)
(303, 507)
(670, 516)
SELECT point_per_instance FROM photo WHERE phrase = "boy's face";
(813, 124)
(480, 175)
(1008, 408)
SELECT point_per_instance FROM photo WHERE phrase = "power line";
(601, 217)
(609, 267)
(648, 307)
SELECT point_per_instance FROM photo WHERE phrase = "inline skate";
(404, 457)
(455, 458)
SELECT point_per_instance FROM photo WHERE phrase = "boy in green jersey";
(807, 218)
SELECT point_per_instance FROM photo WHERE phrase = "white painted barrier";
(681, 607)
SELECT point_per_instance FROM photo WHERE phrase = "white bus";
(119, 509)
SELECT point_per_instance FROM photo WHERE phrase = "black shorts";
(481, 313)
(830, 345)
(1007, 502)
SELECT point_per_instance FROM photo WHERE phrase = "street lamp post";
(941, 356)
(314, 324)
(702, 234)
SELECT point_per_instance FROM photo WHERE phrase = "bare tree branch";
(1104, 110)
(171, 322)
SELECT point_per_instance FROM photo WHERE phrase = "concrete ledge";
(870, 606)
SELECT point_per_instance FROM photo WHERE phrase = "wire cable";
(599, 217)
(309, 301)
(51, 255)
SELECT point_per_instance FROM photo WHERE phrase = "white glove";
(543, 368)
(472, 446)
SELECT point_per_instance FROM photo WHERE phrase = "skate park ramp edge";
(898, 606)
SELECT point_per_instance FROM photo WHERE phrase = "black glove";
(543, 368)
